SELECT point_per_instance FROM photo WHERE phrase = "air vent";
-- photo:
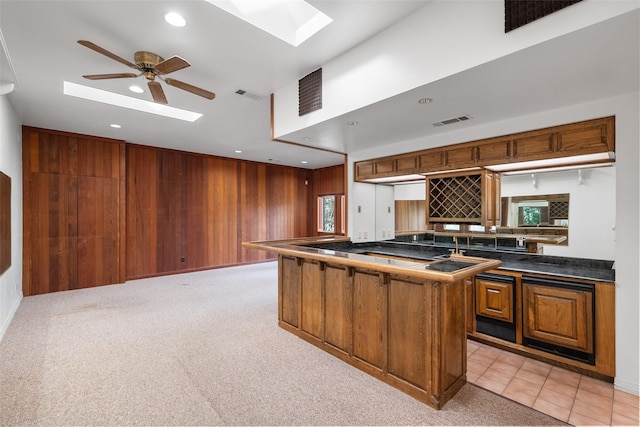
(251, 95)
(310, 92)
(452, 120)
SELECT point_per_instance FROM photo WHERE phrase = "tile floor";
(565, 395)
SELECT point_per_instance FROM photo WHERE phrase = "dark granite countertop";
(567, 267)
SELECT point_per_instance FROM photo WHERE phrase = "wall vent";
(452, 120)
(310, 92)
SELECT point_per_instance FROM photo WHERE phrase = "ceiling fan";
(151, 66)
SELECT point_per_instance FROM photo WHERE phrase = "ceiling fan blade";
(157, 93)
(110, 76)
(105, 52)
(172, 64)
(190, 88)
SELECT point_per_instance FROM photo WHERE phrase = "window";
(331, 213)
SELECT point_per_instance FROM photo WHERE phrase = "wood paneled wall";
(98, 211)
(189, 211)
(73, 211)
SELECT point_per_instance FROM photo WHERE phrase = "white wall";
(385, 213)
(417, 51)
(592, 213)
(11, 165)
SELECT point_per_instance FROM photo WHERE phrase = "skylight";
(293, 21)
(98, 95)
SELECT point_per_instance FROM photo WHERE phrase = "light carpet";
(199, 348)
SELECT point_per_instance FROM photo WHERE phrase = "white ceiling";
(227, 54)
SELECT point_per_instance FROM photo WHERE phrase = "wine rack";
(558, 210)
(455, 198)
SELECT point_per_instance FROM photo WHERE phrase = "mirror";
(548, 210)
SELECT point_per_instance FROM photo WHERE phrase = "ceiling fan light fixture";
(175, 19)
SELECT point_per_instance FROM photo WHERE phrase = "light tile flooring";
(568, 396)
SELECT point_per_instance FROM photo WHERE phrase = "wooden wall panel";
(73, 187)
(171, 210)
(330, 180)
(198, 244)
(253, 210)
(141, 236)
(203, 207)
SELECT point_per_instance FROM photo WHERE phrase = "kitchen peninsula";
(400, 320)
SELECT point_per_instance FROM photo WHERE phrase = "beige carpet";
(199, 349)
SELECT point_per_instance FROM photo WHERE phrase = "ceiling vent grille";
(251, 95)
(310, 92)
(452, 120)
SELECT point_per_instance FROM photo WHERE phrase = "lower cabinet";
(558, 316)
(563, 321)
(398, 329)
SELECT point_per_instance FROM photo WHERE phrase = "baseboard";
(9, 318)
(627, 386)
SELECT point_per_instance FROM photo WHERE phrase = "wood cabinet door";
(432, 160)
(370, 318)
(312, 321)
(338, 302)
(289, 290)
(407, 331)
(494, 299)
(494, 152)
(490, 192)
(384, 166)
(407, 164)
(586, 137)
(460, 157)
(364, 170)
(534, 147)
(558, 316)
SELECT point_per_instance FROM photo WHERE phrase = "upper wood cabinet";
(469, 197)
(588, 137)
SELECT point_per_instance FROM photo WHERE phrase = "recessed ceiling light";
(136, 89)
(424, 100)
(238, 151)
(306, 138)
(175, 19)
(114, 125)
(352, 123)
(304, 162)
(98, 95)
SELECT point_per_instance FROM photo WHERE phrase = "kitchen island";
(400, 320)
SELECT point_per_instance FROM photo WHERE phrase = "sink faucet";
(456, 251)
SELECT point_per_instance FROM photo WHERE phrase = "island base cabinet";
(405, 331)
